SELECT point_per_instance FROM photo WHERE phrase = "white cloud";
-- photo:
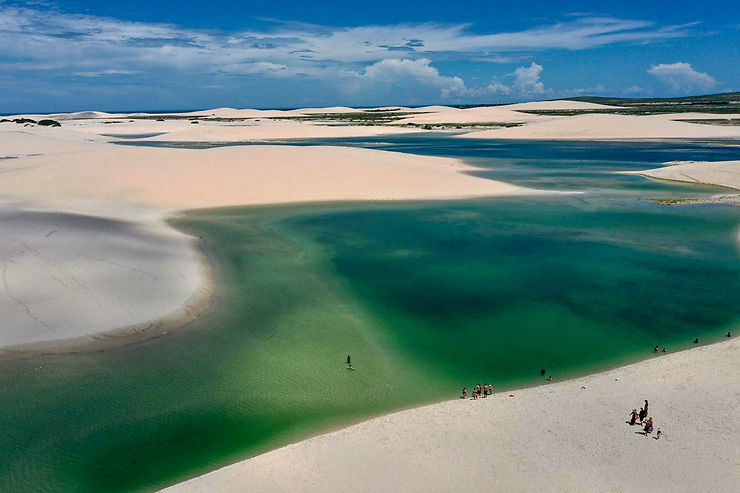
(398, 72)
(39, 38)
(498, 88)
(526, 83)
(527, 79)
(681, 76)
(110, 71)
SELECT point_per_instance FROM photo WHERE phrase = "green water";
(426, 297)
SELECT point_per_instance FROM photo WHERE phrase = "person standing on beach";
(646, 407)
(634, 417)
(642, 415)
(648, 426)
(464, 392)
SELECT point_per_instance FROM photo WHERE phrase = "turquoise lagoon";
(427, 297)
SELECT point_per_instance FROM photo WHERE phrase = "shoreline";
(263, 471)
(199, 303)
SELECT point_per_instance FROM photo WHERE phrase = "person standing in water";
(349, 359)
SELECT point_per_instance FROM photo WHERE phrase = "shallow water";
(426, 297)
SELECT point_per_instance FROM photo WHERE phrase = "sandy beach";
(722, 173)
(564, 436)
(611, 127)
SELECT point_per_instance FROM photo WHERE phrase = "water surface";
(426, 297)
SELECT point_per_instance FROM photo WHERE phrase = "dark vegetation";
(712, 103)
(28, 121)
(49, 123)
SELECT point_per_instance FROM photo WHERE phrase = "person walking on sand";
(646, 407)
(633, 418)
(642, 415)
(648, 426)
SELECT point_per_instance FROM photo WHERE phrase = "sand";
(609, 127)
(86, 248)
(721, 173)
(556, 437)
(483, 114)
(71, 275)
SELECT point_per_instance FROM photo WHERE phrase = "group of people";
(645, 421)
(478, 391)
(696, 341)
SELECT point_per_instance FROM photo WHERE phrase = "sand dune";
(174, 179)
(70, 275)
(722, 173)
(562, 104)
(568, 436)
(85, 248)
(604, 126)
(482, 114)
(271, 130)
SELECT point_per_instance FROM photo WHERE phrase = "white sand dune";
(70, 275)
(84, 248)
(605, 126)
(175, 179)
(271, 130)
(722, 173)
(481, 114)
(562, 104)
(556, 437)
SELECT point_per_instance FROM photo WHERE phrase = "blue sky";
(156, 55)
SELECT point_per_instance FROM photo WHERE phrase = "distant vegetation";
(27, 121)
(711, 103)
(49, 123)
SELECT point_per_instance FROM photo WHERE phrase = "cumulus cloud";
(527, 79)
(419, 71)
(498, 88)
(402, 79)
(526, 82)
(681, 76)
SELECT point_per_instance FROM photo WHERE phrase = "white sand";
(84, 247)
(557, 437)
(482, 114)
(271, 130)
(722, 173)
(561, 104)
(70, 275)
(605, 126)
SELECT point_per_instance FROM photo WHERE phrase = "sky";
(153, 55)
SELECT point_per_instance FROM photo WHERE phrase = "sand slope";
(557, 437)
(722, 173)
(269, 130)
(604, 126)
(176, 179)
(483, 114)
(70, 275)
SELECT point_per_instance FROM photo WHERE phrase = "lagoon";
(427, 297)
